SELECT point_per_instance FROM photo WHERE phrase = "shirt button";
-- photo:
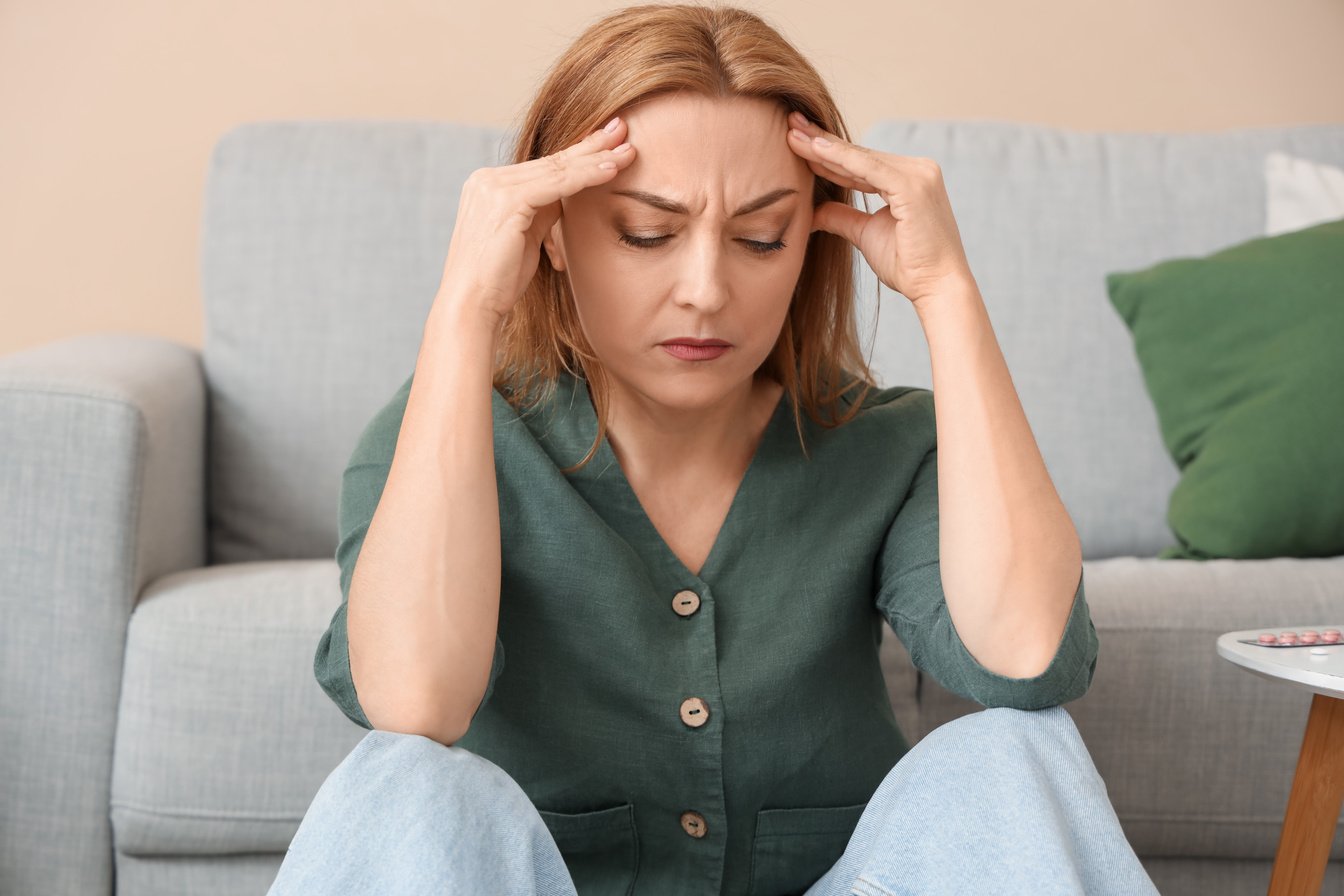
(686, 603)
(694, 711)
(693, 823)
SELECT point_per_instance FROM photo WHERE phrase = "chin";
(697, 389)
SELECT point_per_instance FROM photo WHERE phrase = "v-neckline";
(726, 539)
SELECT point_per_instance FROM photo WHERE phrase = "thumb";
(840, 219)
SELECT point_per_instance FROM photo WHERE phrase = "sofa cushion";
(1300, 193)
(1198, 754)
(209, 875)
(223, 734)
(1241, 355)
(217, 755)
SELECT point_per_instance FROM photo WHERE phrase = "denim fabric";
(1000, 801)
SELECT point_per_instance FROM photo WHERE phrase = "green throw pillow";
(1243, 356)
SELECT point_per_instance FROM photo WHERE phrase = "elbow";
(406, 710)
(447, 733)
(422, 711)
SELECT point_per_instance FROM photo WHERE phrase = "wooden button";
(686, 603)
(694, 711)
(693, 823)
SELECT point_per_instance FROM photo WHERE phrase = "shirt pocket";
(793, 848)
(600, 848)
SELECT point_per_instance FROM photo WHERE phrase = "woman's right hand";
(505, 212)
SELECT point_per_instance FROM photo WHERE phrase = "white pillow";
(1300, 193)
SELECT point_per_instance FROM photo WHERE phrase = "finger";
(840, 219)
(598, 140)
(831, 169)
(854, 161)
(811, 128)
(560, 177)
(595, 143)
(803, 123)
(821, 169)
(833, 160)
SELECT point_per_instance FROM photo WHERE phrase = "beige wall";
(108, 111)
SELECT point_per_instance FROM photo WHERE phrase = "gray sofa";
(170, 515)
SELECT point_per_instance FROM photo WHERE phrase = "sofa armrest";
(102, 480)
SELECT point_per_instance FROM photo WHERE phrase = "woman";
(641, 451)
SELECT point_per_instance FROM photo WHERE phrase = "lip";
(687, 340)
(684, 351)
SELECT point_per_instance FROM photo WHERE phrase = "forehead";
(694, 149)
(669, 114)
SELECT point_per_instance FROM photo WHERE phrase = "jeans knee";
(406, 749)
(999, 721)
(403, 809)
(388, 762)
(1052, 726)
(1009, 732)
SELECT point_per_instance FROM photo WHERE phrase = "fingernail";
(821, 141)
(794, 132)
(611, 125)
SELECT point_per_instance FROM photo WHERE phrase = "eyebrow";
(668, 205)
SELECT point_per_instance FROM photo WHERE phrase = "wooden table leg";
(1313, 804)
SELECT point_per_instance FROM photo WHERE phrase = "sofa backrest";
(1045, 213)
(323, 244)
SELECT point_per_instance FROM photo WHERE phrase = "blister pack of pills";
(1307, 638)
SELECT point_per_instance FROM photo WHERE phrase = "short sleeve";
(910, 597)
(361, 489)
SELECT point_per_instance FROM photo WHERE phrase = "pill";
(1293, 639)
(1320, 651)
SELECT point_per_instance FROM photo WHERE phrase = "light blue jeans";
(1000, 801)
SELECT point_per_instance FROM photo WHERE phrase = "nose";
(702, 282)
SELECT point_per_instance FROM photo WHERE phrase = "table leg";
(1313, 804)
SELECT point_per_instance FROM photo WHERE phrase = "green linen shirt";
(712, 733)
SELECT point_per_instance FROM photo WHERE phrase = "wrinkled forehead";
(705, 151)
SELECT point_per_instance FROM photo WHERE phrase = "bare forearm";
(424, 595)
(1010, 555)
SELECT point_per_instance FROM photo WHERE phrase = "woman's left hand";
(913, 244)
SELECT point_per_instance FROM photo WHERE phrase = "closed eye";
(651, 242)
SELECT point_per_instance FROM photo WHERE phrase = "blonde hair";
(637, 53)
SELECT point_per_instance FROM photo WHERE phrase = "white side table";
(1318, 783)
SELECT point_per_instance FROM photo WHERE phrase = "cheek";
(769, 293)
(605, 305)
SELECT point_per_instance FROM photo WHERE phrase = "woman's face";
(705, 272)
